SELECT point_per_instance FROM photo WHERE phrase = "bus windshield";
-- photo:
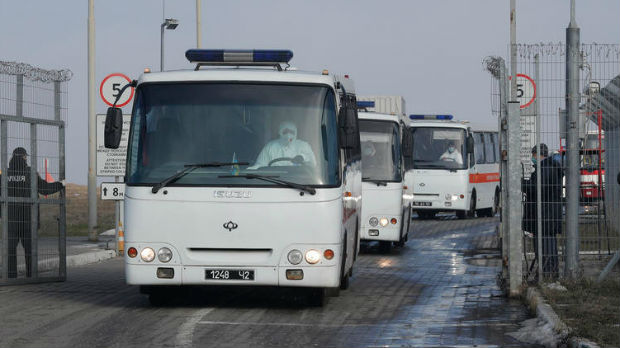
(282, 131)
(439, 148)
(380, 151)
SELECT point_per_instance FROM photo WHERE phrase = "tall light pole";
(92, 126)
(170, 24)
(198, 23)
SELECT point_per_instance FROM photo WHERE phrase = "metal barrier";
(33, 116)
(542, 92)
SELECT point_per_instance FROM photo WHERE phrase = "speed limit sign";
(526, 90)
(111, 87)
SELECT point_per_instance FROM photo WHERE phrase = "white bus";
(242, 175)
(453, 167)
(384, 216)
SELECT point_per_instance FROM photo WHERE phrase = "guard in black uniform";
(20, 213)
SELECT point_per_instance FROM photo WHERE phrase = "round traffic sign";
(110, 88)
(526, 90)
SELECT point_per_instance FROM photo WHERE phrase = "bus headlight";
(313, 256)
(147, 254)
(384, 221)
(373, 221)
(295, 257)
(164, 255)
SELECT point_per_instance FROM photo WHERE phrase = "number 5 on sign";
(111, 87)
(526, 90)
(112, 191)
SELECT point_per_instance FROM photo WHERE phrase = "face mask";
(534, 160)
(287, 137)
(451, 149)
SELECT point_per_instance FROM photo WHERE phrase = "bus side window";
(489, 150)
(479, 148)
(495, 141)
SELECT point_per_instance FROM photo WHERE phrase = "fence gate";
(33, 113)
(542, 91)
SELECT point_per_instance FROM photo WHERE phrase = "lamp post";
(170, 24)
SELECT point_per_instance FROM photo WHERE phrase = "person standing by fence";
(20, 225)
(551, 204)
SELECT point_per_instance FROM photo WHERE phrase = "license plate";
(422, 204)
(229, 274)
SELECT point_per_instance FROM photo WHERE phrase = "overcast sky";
(429, 51)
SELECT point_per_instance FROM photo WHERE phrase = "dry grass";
(77, 213)
(590, 309)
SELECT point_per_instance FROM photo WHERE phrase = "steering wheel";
(295, 160)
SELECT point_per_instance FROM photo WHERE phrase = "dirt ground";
(590, 309)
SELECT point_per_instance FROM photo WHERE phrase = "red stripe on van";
(483, 177)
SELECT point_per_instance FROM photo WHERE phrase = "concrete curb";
(90, 257)
(546, 314)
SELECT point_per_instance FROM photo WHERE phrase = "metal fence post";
(34, 197)
(4, 193)
(514, 204)
(573, 61)
(62, 223)
(539, 228)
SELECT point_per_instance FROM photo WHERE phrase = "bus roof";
(247, 74)
(365, 115)
(476, 127)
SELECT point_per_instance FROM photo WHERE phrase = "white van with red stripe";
(453, 167)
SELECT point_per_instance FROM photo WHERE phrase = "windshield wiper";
(273, 179)
(379, 182)
(188, 168)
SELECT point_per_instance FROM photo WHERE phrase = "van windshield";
(439, 148)
(277, 130)
(380, 151)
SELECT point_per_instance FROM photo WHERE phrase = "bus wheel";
(158, 297)
(344, 275)
(471, 213)
(317, 297)
(385, 246)
(495, 203)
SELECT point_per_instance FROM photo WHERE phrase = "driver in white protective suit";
(452, 154)
(285, 149)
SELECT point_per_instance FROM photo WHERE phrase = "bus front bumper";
(313, 276)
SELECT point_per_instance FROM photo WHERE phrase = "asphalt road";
(439, 290)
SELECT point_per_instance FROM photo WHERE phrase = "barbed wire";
(493, 65)
(33, 73)
(559, 49)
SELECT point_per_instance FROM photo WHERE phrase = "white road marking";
(185, 334)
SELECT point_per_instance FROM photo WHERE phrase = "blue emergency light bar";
(363, 104)
(431, 117)
(238, 56)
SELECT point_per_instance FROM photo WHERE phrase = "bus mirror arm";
(408, 145)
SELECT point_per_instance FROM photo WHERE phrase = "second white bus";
(384, 216)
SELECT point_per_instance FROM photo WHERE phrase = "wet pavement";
(440, 290)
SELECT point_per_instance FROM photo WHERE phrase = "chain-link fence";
(541, 90)
(33, 113)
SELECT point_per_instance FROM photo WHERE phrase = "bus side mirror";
(408, 144)
(470, 144)
(113, 128)
(349, 138)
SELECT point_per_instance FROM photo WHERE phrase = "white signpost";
(112, 191)
(526, 90)
(111, 162)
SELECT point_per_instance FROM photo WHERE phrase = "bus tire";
(471, 213)
(344, 275)
(317, 297)
(385, 246)
(158, 297)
